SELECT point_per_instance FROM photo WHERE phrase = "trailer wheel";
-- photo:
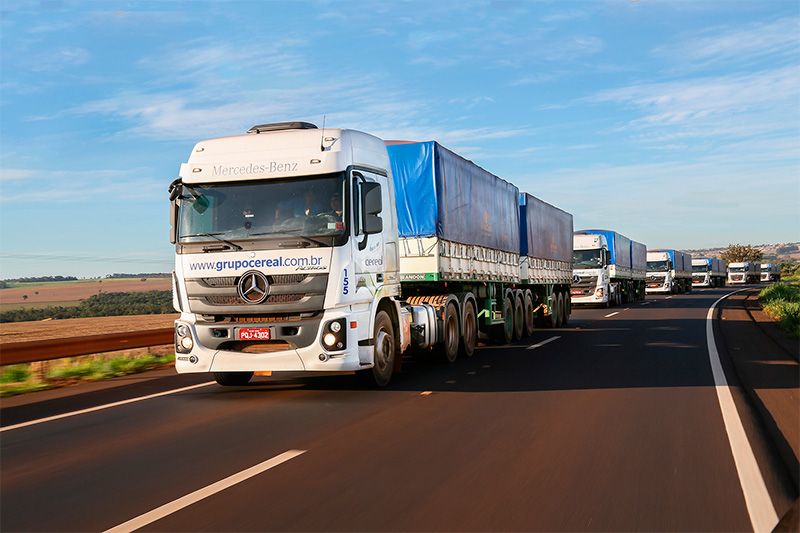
(232, 379)
(559, 309)
(530, 319)
(504, 333)
(469, 339)
(449, 347)
(519, 316)
(384, 350)
(550, 320)
(567, 308)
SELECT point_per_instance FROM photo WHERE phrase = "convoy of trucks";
(307, 250)
(669, 271)
(300, 249)
(608, 268)
(708, 272)
(770, 272)
(744, 272)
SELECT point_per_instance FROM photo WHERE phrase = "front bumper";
(278, 357)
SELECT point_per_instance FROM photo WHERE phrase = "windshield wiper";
(291, 232)
(214, 236)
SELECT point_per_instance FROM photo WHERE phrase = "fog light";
(329, 339)
(187, 343)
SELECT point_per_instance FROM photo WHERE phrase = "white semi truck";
(308, 250)
(708, 272)
(770, 272)
(608, 268)
(744, 272)
(669, 271)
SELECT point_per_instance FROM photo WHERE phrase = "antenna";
(322, 137)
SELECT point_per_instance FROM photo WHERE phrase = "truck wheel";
(384, 349)
(449, 346)
(519, 316)
(504, 333)
(567, 308)
(470, 337)
(530, 319)
(559, 309)
(232, 379)
(551, 320)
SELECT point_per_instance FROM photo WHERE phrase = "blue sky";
(676, 123)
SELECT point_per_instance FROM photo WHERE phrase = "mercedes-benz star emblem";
(253, 287)
(576, 279)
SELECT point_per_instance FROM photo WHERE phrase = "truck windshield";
(700, 268)
(737, 269)
(305, 207)
(587, 259)
(658, 266)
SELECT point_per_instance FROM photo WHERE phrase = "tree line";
(104, 304)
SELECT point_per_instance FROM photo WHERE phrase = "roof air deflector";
(280, 126)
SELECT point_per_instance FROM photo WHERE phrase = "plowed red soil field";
(70, 292)
(79, 327)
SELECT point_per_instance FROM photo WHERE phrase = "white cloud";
(778, 38)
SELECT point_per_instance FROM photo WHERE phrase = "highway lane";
(615, 425)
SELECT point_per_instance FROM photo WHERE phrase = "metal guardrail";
(30, 352)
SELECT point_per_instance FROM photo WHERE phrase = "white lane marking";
(759, 504)
(648, 302)
(539, 345)
(612, 314)
(100, 407)
(196, 496)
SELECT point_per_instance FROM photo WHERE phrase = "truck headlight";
(183, 338)
(599, 292)
(334, 335)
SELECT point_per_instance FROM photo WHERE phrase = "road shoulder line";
(760, 508)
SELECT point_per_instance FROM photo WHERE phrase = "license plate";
(577, 293)
(254, 334)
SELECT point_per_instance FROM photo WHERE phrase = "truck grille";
(287, 294)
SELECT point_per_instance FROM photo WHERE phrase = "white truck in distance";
(770, 272)
(708, 272)
(743, 272)
(307, 250)
(607, 268)
(669, 272)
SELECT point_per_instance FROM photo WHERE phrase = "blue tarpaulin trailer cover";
(439, 193)
(546, 231)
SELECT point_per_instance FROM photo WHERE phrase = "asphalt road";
(612, 423)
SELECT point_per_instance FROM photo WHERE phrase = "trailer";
(608, 268)
(708, 272)
(332, 251)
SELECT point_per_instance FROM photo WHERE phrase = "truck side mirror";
(372, 205)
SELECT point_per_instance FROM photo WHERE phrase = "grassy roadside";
(44, 375)
(781, 301)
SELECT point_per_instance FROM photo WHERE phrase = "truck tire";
(559, 309)
(504, 333)
(519, 316)
(385, 351)
(469, 338)
(567, 308)
(530, 318)
(551, 319)
(232, 379)
(449, 346)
